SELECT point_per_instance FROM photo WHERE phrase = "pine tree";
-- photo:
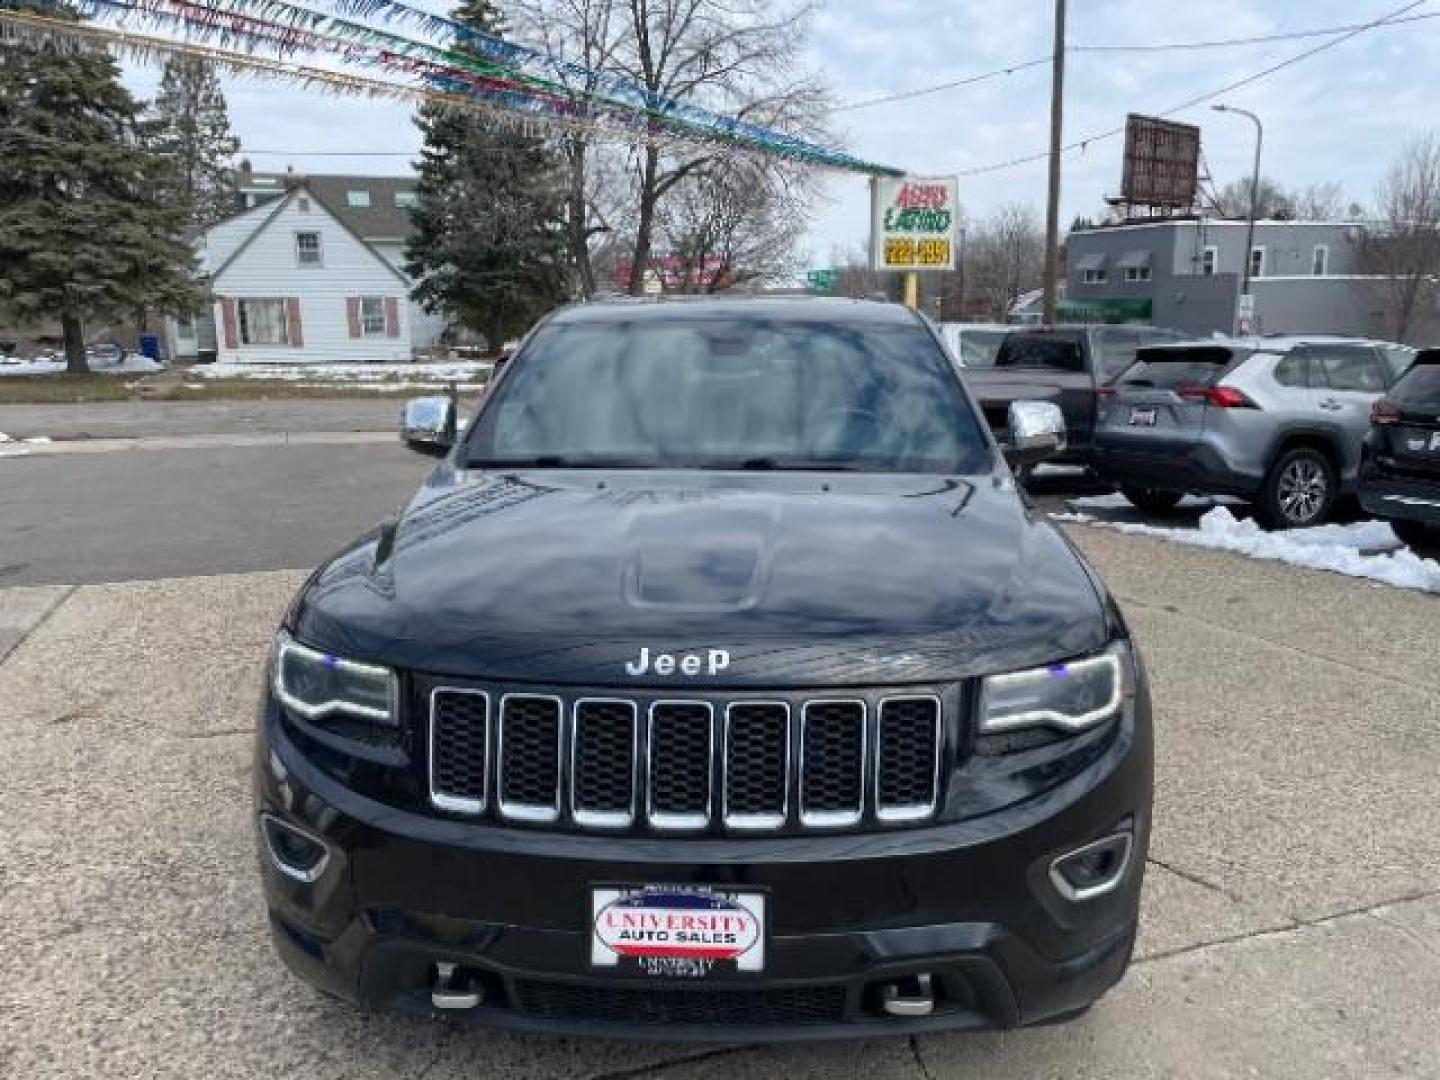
(83, 231)
(489, 244)
(190, 126)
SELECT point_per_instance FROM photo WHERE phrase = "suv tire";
(1151, 500)
(1299, 490)
(1422, 538)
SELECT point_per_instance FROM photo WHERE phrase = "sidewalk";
(134, 419)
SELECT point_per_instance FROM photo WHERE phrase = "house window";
(1137, 273)
(304, 203)
(185, 326)
(307, 248)
(357, 197)
(404, 200)
(1093, 275)
(1257, 262)
(1320, 260)
(372, 315)
(263, 322)
(1209, 260)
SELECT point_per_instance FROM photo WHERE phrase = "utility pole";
(1052, 205)
(1245, 312)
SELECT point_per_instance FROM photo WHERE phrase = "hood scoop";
(725, 571)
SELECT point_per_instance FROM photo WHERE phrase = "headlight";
(1070, 697)
(316, 684)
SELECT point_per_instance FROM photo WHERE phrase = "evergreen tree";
(83, 231)
(489, 244)
(190, 127)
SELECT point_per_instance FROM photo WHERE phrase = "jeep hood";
(562, 577)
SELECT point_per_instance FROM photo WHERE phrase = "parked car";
(666, 707)
(974, 344)
(104, 353)
(1278, 421)
(1063, 364)
(1400, 459)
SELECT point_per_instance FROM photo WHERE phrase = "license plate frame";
(678, 931)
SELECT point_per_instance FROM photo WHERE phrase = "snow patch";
(1337, 548)
(133, 364)
(393, 376)
(1116, 501)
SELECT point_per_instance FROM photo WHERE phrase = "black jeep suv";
(718, 684)
(1400, 459)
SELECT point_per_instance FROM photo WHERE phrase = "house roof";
(266, 212)
(381, 220)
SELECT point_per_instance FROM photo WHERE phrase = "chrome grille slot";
(459, 749)
(529, 752)
(681, 749)
(832, 763)
(757, 764)
(770, 762)
(907, 758)
(603, 750)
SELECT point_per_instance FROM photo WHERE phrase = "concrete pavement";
(1292, 912)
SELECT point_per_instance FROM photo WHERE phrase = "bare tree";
(585, 36)
(1271, 200)
(733, 56)
(1323, 201)
(1401, 252)
(737, 224)
(1004, 258)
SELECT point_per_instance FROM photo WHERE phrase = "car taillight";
(1222, 397)
(1383, 412)
(1105, 391)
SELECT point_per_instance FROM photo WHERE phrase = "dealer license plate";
(1142, 417)
(677, 931)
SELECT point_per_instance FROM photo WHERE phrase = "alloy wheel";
(1303, 490)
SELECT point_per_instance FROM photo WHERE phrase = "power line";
(1348, 29)
(1081, 144)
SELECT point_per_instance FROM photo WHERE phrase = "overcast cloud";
(1340, 116)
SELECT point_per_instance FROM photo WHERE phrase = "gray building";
(1186, 274)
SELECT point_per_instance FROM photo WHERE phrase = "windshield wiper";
(779, 464)
(557, 461)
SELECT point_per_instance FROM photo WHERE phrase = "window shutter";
(292, 312)
(231, 325)
(352, 315)
(392, 317)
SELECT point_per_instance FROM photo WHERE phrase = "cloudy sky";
(1339, 116)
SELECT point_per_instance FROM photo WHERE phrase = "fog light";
(294, 852)
(1092, 870)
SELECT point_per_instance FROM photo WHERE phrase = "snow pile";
(1337, 548)
(13, 447)
(371, 376)
(1116, 501)
(133, 364)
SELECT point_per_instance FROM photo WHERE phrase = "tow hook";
(453, 990)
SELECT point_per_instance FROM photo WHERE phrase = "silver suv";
(1278, 421)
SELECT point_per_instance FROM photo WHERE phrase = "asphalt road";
(115, 516)
(127, 419)
(1291, 926)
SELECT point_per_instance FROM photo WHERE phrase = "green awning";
(1118, 309)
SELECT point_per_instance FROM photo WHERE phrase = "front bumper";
(970, 904)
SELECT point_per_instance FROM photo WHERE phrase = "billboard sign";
(913, 222)
(1161, 160)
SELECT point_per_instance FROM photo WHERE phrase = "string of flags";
(342, 50)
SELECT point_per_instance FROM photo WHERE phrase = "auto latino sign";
(913, 222)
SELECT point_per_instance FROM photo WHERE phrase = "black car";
(1400, 459)
(718, 685)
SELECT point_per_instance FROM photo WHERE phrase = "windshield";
(731, 393)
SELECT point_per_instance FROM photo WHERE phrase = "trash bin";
(150, 346)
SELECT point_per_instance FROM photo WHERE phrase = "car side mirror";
(427, 425)
(1037, 432)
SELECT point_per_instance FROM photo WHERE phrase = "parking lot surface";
(1292, 914)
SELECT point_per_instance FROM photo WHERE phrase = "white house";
(310, 270)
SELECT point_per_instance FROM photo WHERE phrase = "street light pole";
(1052, 204)
(1254, 191)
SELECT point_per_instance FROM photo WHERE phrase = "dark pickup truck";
(1063, 364)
